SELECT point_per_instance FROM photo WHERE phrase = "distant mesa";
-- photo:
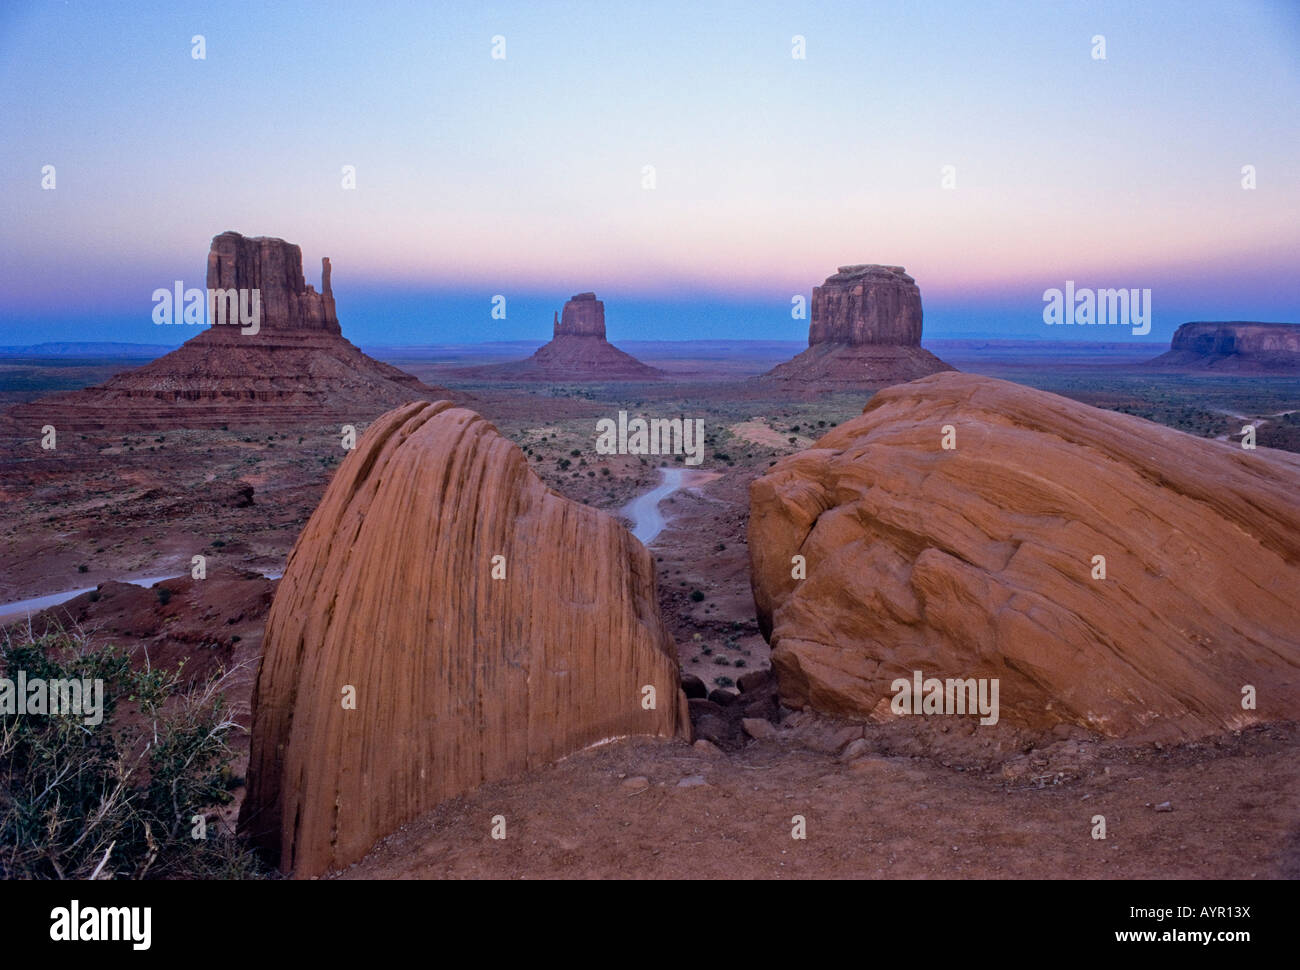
(296, 367)
(1109, 572)
(865, 330)
(483, 625)
(1234, 346)
(578, 351)
(584, 316)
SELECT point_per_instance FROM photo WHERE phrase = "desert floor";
(911, 801)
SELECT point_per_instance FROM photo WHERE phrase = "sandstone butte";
(297, 367)
(1234, 346)
(978, 562)
(577, 351)
(459, 678)
(865, 330)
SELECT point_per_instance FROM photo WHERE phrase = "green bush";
(117, 798)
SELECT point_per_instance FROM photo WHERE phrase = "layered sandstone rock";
(865, 329)
(867, 304)
(274, 268)
(578, 351)
(296, 367)
(459, 677)
(584, 316)
(978, 562)
(1235, 346)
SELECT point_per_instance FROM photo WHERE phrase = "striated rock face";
(978, 562)
(296, 367)
(867, 304)
(1234, 346)
(865, 329)
(274, 268)
(460, 678)
(584, 316)
(578, 352)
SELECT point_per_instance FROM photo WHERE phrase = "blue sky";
(525, 176)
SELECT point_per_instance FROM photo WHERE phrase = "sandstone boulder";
(459, 678)
(978, 562)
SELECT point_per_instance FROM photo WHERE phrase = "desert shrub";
(723, 682)
(164, 595)
(117, 798)
(697, 596)
(721, 661)
(83, 568)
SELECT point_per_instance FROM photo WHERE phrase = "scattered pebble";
(757, 727)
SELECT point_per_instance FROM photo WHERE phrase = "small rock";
(700, 707)
(757, 728)
(759, 705)
(693, 686)
(855, 749)
(714, 729)
(753, 680)
(636, 783)
(845, 736)
(868, 765)
(707, 747)
(692, 781)
(722, 696)
(1165, 807)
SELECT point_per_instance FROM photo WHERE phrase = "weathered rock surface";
(977, 562)
(867, 304)
(578, 351)
(1234, 346)
(584, 316)
(459, 678)
(273, 267)
(865, 329)
(297, 367)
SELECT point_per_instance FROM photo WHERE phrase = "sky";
(526, 175)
